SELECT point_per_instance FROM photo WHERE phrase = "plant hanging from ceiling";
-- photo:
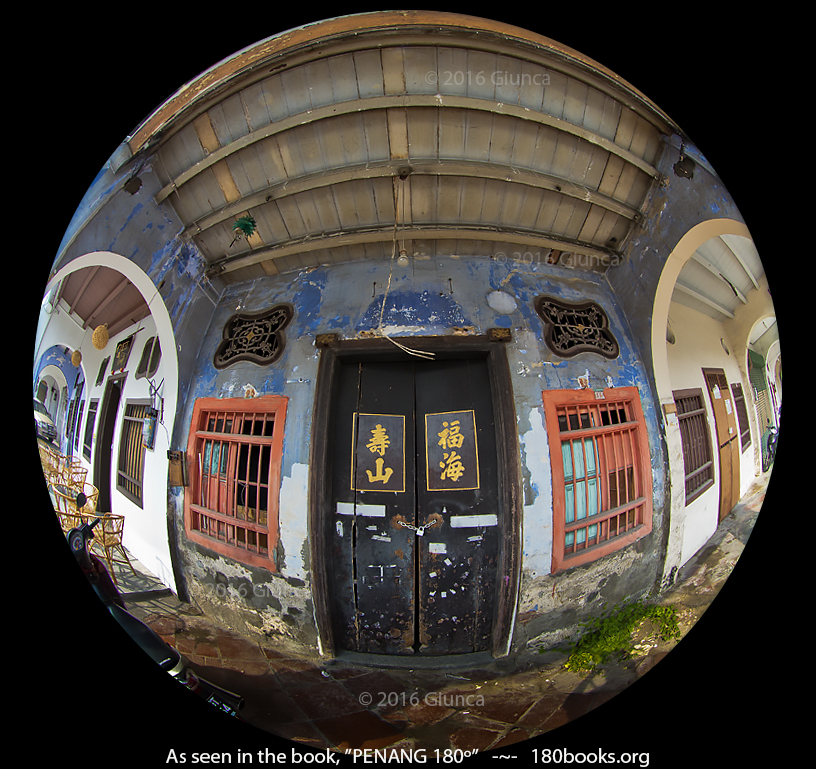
(243, 228)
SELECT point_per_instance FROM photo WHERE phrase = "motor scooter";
(168, 658)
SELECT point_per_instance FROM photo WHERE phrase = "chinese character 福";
(451, 437)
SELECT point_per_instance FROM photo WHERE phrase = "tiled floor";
(293, 694)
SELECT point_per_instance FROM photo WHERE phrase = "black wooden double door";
(415, 524)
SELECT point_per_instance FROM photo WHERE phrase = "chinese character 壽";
(379, 441)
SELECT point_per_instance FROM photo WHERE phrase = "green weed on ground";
(610, 635)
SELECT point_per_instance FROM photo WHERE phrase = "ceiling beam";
(118, 289)
(386, 233)
(404, 101)
(741, 262)
(474, 170)
(704, 299)
(717, 274)
(128, 318)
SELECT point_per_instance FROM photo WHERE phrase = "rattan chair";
(88, 510)
(73, 475)
(52, 464)
(69, 516)
(107, 542)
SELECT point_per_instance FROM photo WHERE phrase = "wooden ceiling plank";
(128, 318)
(349, 237)
(624, 137)
(91, 274)
(714, 271)
(118, 289)
(704, 299)
(741, 262)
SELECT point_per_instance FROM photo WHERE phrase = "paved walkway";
(293, 694)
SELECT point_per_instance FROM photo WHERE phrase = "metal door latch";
(420, 530)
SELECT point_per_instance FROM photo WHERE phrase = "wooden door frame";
(733, 442)
(106, 423)
(333, 352)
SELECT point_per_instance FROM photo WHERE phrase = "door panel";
(458, 502)
(373, 552)
(104, 444)
(725, 422)
(414, 507)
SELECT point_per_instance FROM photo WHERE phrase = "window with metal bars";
(130, 470)
(234, 453)
(742, 416)
(151, 357)
(602, 489)
(696, 440)
(90, 423)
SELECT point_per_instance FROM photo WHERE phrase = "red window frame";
(621, 466)
(234, 452)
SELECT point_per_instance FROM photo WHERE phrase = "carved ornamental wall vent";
(253, 336)
(575, 327)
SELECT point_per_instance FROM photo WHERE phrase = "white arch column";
(146, 533)
(681, 253)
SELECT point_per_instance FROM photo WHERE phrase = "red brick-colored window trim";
(234, 455)
(615, 468)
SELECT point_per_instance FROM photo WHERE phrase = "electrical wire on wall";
(399, 203)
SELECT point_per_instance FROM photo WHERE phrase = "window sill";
(596, 552)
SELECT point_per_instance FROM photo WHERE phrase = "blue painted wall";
(428, 297)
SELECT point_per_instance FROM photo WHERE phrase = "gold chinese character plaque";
(452, 456)
(378, 452)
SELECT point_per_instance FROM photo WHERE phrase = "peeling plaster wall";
(698, 345)
(676, 206)
(111, 219)
(425, 298)
(428, 297)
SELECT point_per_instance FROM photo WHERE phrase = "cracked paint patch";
(537, 521)
(293, 516)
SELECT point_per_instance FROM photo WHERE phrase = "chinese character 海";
(452, 467)
(451, 437)
(379, 441)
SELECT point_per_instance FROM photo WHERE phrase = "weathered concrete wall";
(110, 218)
(426, 298)
(676, 206)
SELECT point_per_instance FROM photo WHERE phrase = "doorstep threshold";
(416, 661)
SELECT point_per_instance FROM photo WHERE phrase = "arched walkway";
(683, 540)
(158, 310)
(146, 533)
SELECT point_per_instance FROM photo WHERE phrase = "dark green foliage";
(610, 635)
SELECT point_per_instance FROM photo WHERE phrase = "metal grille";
(694, 434)
(742, 415)
(151, 357)
(90, 423)
(575, 328)
(602, 475)
(130, 474)
(254, 337)
(232, 495)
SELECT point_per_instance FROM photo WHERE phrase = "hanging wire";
(418, 353)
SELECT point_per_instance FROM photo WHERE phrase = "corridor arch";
(146, 531)
(692, 523)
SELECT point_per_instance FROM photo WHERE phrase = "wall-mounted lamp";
(243, 228)
(501, 302)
